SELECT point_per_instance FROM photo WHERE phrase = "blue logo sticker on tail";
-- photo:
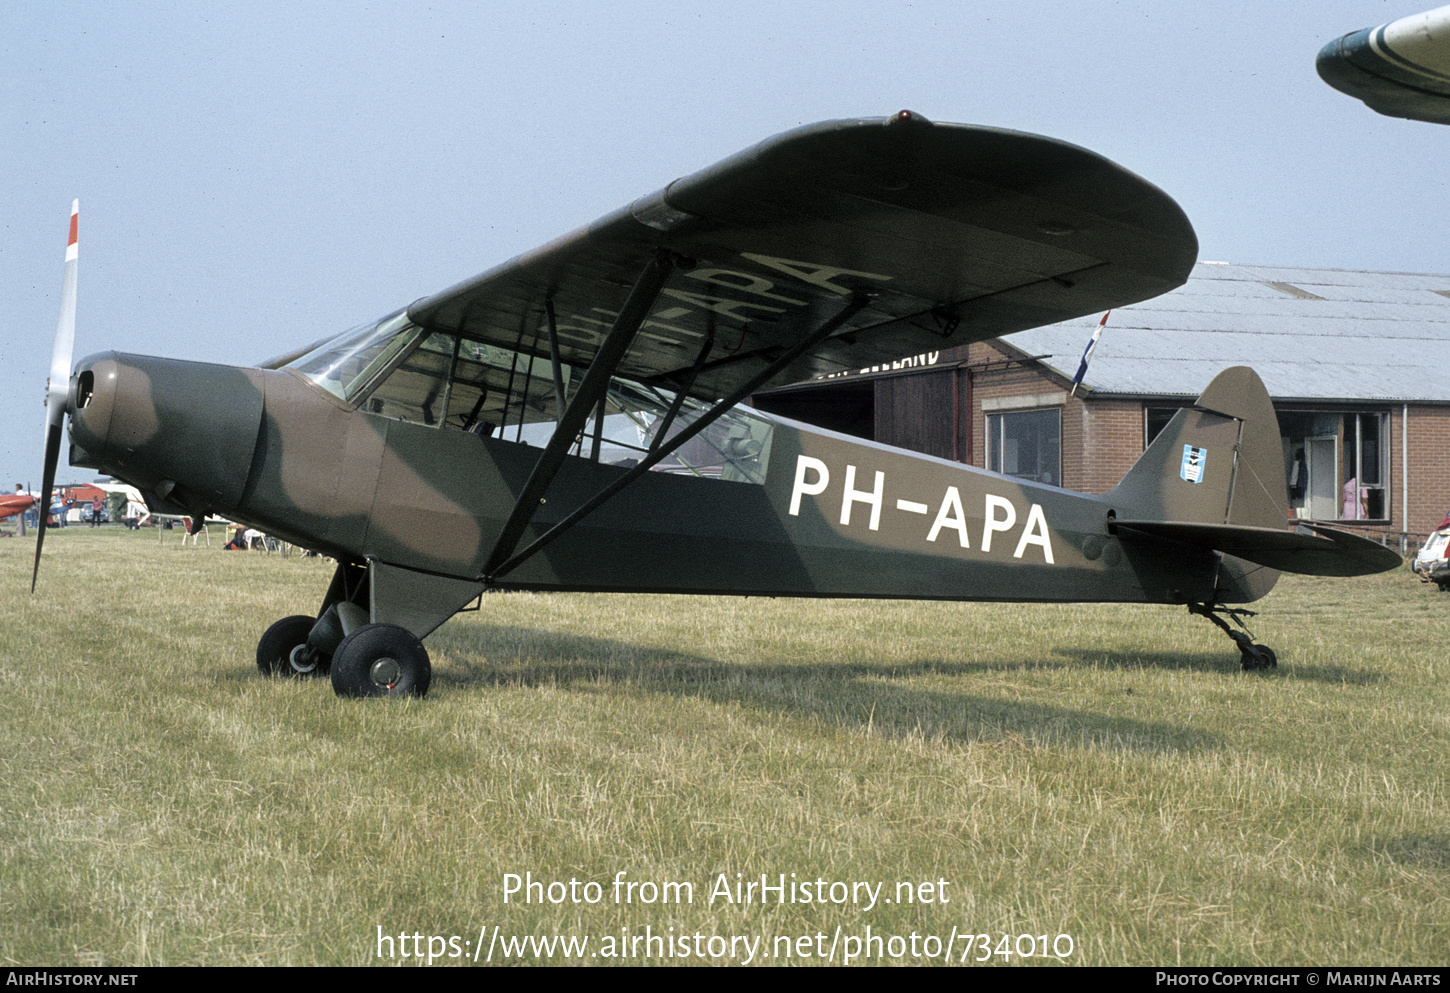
(1193, 459)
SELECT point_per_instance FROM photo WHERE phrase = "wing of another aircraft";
(13, 503)
(1400, 69)
(954, 233)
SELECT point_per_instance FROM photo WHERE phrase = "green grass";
(1102, 772)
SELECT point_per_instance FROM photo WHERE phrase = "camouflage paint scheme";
(291, 459)
(865, 240)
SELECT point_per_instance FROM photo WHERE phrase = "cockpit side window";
(416, 386)
(504, 393)
(395, 369)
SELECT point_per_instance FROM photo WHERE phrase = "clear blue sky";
(253, 176)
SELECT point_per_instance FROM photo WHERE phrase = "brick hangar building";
(1357, 364)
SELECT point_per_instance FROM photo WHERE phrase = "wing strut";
(554, 354)
(664, 451)
(680, 394)
(591, 390)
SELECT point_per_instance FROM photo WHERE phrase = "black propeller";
(57, 388)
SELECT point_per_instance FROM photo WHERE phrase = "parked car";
(1433, 562)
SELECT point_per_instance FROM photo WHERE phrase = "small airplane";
(572, 419)
(15, 503)
(1400, 69)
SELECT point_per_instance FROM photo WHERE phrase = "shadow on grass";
(864, 696)
(1226, 662)
(1424, 851)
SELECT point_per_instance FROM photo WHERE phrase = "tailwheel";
(283, 650)
(381, 660)
(1267, 657)
(1252, 654)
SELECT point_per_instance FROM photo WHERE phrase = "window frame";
(996, 439)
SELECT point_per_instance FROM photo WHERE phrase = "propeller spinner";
(57, 388)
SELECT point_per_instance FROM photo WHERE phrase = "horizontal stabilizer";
(1308, 549)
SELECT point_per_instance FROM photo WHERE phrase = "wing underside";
(949, 233)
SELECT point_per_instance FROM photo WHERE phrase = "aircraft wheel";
(1259, 657)
(283, 649)
(381, 660)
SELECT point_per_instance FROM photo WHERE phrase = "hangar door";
(922, 412)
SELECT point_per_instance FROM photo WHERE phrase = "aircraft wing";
(13, 503)
(954, 233)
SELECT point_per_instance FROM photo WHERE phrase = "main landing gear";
(381, 660)
(369, 660)
(1255, 656)
(363, 658)
(368, 633)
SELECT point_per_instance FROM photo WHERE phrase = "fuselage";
(822, 515)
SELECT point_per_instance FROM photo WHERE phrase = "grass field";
(1104, 773)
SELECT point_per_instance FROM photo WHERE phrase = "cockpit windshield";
(345, 365)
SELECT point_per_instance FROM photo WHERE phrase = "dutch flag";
(1087, 354)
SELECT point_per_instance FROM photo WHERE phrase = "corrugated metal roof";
(1370, 336)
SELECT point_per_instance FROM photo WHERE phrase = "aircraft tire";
(1259, 657)
(381, 660)
(274, 651)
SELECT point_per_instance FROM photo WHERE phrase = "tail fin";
(1217, 462)
(1214, 478)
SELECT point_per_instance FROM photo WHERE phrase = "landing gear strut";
(363, 657)
(1254, 656)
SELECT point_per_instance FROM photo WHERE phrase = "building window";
(1026, 444)
(1335, 464)
(1155, 419)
